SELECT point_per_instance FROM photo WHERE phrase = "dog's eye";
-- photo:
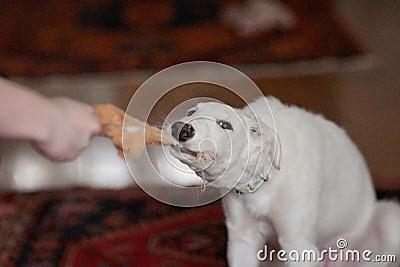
(190, 112)
(225, 125)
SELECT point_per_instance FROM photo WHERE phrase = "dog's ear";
(270, 140)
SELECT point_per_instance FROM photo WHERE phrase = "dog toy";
(136, 133)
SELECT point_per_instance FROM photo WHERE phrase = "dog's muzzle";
(182, 131)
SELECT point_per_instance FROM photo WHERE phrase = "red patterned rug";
(84, 227)
(91, 227)
(56, 36)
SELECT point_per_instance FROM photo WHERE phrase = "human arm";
(59, 128)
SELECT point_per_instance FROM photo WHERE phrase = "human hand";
(68, 129)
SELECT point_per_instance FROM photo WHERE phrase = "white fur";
(321, 192)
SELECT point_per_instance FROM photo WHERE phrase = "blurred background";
(338, 58)
(335, 57)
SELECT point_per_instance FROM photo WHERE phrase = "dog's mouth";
(198, 155)
(186, 151)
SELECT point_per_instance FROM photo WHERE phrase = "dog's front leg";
(301, 253)
(296, 234)
(246, 234)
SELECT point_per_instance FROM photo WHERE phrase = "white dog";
(298, 180)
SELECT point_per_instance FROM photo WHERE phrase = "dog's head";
(217, 140)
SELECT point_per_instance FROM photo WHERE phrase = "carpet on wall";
(93, 227)
(66, 37)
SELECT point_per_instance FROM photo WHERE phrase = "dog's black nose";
(182, 131)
